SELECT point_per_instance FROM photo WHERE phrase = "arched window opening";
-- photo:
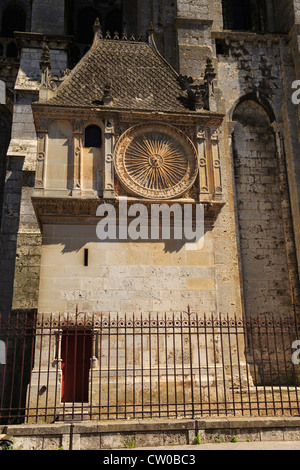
(12, 50)
(85, 22)
(245, 15)
(13, 19)
(93, 137)
(113, 21)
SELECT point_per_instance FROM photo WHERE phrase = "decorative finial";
(97, 30)
(150, 28)
(209, 71)
(107, 98)
(97, 25)
(45, 62)
(48, 81)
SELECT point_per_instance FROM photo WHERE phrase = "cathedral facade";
(232, 69)
(182, 103)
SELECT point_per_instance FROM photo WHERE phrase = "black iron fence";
(110, 366)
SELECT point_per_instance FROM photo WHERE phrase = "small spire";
(150, 29)
(97, 25)
(97, 30)
(150, 37)
(209, 70)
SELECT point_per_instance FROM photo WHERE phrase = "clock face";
(156, 161)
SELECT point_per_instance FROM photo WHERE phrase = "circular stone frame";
(156, 161)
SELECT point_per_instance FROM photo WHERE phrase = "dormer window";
(93, 137)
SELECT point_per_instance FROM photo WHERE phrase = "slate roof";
(139, 77)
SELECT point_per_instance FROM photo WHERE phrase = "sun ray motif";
(155, 163)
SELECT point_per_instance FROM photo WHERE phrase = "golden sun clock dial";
(156, 161)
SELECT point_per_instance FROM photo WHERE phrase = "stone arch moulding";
(18, 18)
(258, 98)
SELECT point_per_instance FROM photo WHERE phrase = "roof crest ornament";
(108, 35)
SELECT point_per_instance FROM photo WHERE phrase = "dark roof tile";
(139, 77)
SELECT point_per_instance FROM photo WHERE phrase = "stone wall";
(48, 17)
(123, 276)
(248, 64)
(9, 230)
(94, 436)
(21, 238)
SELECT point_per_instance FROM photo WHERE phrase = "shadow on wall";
(9, 230)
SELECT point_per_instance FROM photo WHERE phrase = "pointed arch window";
(13, 19)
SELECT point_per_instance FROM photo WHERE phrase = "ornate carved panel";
(40, 162)
(156, 161)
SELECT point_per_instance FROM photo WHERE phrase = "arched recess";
(13, 19)
(262, 229)
(245, 15)
(59, 162)
(92, 159)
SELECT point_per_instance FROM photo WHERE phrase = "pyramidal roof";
(138, 77)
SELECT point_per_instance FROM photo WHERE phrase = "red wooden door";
(76, 352)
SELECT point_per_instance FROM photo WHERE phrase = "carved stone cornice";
(133, 117)
(78, 211)
(36, 40)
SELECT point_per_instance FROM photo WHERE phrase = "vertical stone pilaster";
(108, 184)
(216, 162)
(42, 136)
(202, 160)
(77, 145)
